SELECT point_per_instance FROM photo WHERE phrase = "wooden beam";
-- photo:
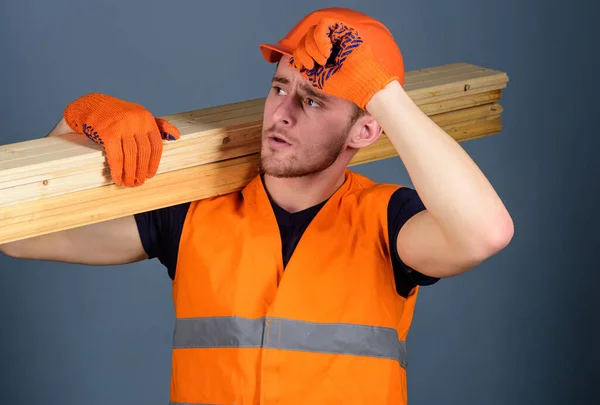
(57, 183)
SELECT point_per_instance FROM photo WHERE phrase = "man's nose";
(285, 112)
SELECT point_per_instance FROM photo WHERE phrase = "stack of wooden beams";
(56, 183)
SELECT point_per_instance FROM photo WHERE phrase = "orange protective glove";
(131, 136)
(336, 60)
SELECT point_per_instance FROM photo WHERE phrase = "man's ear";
(364, 132)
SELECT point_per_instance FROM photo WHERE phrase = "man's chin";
(282, 172)
(276, 170)
(279, 172)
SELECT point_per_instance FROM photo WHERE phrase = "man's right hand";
(132, 137)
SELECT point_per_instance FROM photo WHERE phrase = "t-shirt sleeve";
(160, 231)
(404, 203)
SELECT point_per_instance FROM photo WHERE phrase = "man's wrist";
(391, 97)
(399, 116)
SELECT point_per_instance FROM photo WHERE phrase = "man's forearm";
(451, 185)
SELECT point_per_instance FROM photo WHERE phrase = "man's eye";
(311, 101)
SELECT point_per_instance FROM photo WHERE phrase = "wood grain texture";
(57, 183)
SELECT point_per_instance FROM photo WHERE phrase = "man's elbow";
(495, 237)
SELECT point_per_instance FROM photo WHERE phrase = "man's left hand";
(337, 61)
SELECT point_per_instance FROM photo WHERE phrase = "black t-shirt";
(160, 231)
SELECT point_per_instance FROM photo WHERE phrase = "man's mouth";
(277, 141)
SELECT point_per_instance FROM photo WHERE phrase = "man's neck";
(299, 193)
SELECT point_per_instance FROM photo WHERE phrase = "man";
(300, 288)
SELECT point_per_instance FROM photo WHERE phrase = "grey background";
(519, 329)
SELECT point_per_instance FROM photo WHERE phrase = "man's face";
(304, 130)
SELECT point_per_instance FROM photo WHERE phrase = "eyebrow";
(307, 88)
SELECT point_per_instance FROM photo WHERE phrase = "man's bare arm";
(465, 222)
(106, 243)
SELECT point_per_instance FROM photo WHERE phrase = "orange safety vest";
(330, 329)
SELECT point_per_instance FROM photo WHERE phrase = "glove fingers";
(301, 57)
(336, 30)
(322, 37)
(143, 158)
(168, 131)
(317, 45)
(114, 156)
(156, 148)
(129, 160)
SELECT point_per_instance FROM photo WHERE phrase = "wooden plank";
(448, 87)
(190, 153)
(453, 104)
(56, 183)
(104, 203)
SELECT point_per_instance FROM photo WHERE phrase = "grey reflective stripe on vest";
(188, 403)
(286, 334)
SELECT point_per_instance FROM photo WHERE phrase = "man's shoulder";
(216, 205)
(391, 198)
(366, 187)
(250, 186)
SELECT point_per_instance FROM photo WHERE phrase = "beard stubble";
(314, 160)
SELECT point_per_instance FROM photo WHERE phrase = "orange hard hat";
(374, 33)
